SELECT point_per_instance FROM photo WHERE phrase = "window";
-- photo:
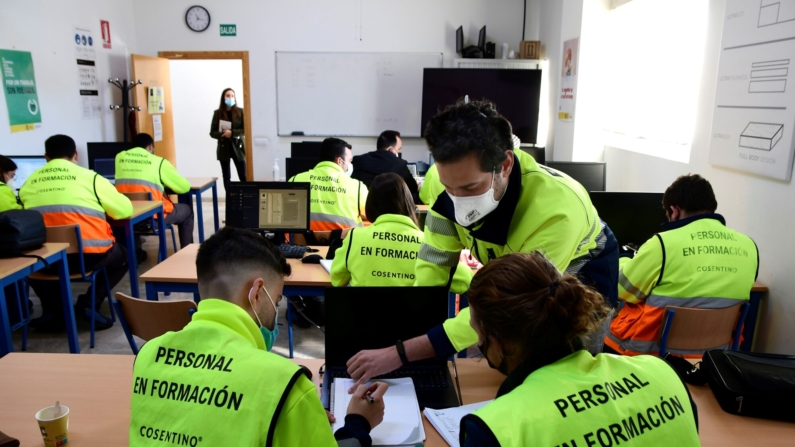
(649, 87)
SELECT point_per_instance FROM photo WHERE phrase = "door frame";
(218, 55)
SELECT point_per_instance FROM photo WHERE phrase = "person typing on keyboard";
(217, 381)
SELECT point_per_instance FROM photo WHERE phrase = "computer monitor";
(482, 39)
(273, 206)
(306, 149)
(26, 165)
(538, 153)
(295, 166)
(459, 40)
(634, 217)
(106, 167)
(590, 175)
(104, 151)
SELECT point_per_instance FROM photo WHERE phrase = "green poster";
(19, 85)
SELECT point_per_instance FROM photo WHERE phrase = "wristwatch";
(401, 352)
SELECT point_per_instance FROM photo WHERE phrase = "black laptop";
(360, 318)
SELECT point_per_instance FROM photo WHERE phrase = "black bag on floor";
(752, 384)
(21, 230)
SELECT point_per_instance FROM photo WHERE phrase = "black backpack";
(21, 230)
(752, 384)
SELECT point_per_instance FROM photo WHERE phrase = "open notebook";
(448, 422)
(402, 424)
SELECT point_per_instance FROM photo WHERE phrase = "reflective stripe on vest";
(138, 170)
(589, 401)
(63, 193)
(335, 200)
(703, 265)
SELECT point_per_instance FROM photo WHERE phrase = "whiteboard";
(351, 94)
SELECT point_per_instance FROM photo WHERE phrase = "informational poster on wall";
(87, 83)
(568, 81)
(156, 103)
(753, 126)
(19, 85)
(157, 127)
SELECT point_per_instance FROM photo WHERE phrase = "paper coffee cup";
(54, 429)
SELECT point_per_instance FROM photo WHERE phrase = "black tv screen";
(515, 92)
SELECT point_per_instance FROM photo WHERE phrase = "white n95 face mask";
(471, 209)
(11, 184)
(349, 172)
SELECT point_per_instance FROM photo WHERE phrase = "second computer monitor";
(26, 165)
(590, 175)
(634, 217)
(271, 206)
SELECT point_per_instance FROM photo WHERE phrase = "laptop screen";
(106, 167)
(376, 317)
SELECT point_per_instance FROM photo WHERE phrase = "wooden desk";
(422, 209)
(97, 388)
(142, 210)
(749, 331)
(15, 269)
(197, 186)
(178, 274)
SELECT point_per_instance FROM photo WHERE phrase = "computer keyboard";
(293, 251)
(422, 378)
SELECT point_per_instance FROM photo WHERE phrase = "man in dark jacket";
(385, 159)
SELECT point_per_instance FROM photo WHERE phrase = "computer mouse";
(312, 259)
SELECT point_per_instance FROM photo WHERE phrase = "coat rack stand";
(125, 100)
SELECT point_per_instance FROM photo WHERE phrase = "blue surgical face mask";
(267, 334)
(229, 102)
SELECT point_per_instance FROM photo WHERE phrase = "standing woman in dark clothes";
(231, 142)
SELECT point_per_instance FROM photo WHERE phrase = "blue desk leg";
(132, 260)
(151, 291)
(750, 321)
(161, 228)
(215, 205)
(66, 301)
(6, 344)
(199, 214)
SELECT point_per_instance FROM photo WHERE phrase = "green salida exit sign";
(229, 30)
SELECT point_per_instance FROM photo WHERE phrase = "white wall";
(759, 207)
(316, 25)
(196, 87)
(46, 29)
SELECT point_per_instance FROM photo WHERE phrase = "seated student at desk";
(384, 253)
(695, 261)
(140, 170)
(68, 194)
(386, 158)
(8, 196)
(244, 396)
(530, 320)
(337, 200)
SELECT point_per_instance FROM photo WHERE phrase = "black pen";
(369, 398)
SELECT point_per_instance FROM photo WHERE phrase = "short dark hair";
(143, 140)
(386, 139)
(692, 193)
(331, 148)
(470, 128)
(6, 165)
(389, 194)
(60, 146)
(232, 250)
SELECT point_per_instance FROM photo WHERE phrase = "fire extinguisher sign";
(105, 26)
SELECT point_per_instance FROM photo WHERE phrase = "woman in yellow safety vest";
(8, 199)
(384, 253)
(529, 322)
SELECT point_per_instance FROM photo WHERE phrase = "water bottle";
(276, 176)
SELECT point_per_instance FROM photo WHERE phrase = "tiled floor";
(309, 343)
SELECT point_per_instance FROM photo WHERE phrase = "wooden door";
(154, 72)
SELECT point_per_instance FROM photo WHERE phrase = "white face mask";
(469, 210)
(11, 184)
(349, 172)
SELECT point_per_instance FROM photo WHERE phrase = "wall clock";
(197, 18)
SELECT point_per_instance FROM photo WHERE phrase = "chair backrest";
(67, 234)
(321, 237)
(150, 319)
(701, 329)
(145, 196)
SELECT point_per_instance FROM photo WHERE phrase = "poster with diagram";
(753, 126)
(88, 85)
